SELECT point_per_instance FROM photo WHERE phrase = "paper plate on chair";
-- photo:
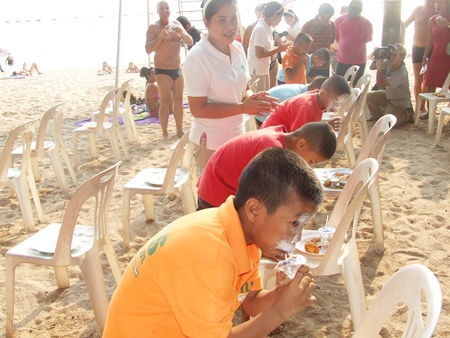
(308, 237)
(156, 179)
(48, 245)
(90, 125)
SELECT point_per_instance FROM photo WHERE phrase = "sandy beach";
(414, 185)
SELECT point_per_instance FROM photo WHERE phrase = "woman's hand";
(258, 103)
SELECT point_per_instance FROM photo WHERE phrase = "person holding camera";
(392, 75)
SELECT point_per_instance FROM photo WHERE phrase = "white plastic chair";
(161, 181)
(49, 143)
(350, 75)
(20, 179)
(341, 257)
(127, 114)
(359, 119)
(443, 95)
(373, 147)
(406, 286)
(92, 128)
(444, 112)
(69, 243)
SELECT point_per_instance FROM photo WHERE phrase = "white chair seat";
(151, 179)
(13, 173)
(444, 112)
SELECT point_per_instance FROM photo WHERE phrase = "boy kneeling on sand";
(189, 279)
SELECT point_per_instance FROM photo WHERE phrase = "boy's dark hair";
(337, 84)
(323, 54)
(273, 176)
(317, 82)
(302, 37)
(326, 8)
(320, 136)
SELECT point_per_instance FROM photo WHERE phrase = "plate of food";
(337, 178)
(310, 243)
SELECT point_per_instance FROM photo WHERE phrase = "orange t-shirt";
(290, 59)
(188, 280)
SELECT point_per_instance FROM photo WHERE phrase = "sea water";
(82, 34)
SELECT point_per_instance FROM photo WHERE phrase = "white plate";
(48, 245)
(90, 125)
(156, 179)
(300, 246)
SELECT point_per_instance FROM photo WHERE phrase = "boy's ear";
(302, 144)
(252, 209)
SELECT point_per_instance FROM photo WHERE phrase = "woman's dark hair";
(213, 6)
(272, 8)
(291, 13)
(273, 176)
(145, 71)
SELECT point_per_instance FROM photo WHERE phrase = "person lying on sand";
(27, 72)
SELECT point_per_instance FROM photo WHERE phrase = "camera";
(382, 53)
(172, 28)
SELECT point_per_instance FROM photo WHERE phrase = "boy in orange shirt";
(189, 279)
(296, 62)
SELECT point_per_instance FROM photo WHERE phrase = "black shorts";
(417, 54)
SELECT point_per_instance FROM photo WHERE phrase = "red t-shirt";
(221, 175)
(296, 111)
(352, 37)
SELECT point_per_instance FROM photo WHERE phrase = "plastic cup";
(326, 234)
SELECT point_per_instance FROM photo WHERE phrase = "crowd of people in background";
(285, 80)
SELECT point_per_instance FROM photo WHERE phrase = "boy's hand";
(296, 294)
(284, 46)
(304, 58)
(335, 123)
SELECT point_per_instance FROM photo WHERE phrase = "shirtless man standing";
(420, 15)
(163, 38)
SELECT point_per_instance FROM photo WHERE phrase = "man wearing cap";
(322, 30)
(353, 31)
(395, 99)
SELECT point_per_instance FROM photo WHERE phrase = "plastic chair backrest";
(446, 84)
(113, 96)
(24, 131)
(100, 187)
(405, 287)
(345, 211)
(376, 140)
(365, 79)
(175, 159)
(350, 75)
(51, 114)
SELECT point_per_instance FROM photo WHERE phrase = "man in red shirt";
(309, 107)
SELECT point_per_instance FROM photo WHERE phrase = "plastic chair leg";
(35, 195)
(378, 228)
(112, 259)
(59, 170)
(35, 167)
(75, 150)
(439, 129)
(65, 156)
(126, 197)
(62, 277)
(351, 269)
(92, 147)
(187, 198)
(10, 281)
(431, 115)
(122, 142)
(149, 206)
(21, 189)
(95, 284)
